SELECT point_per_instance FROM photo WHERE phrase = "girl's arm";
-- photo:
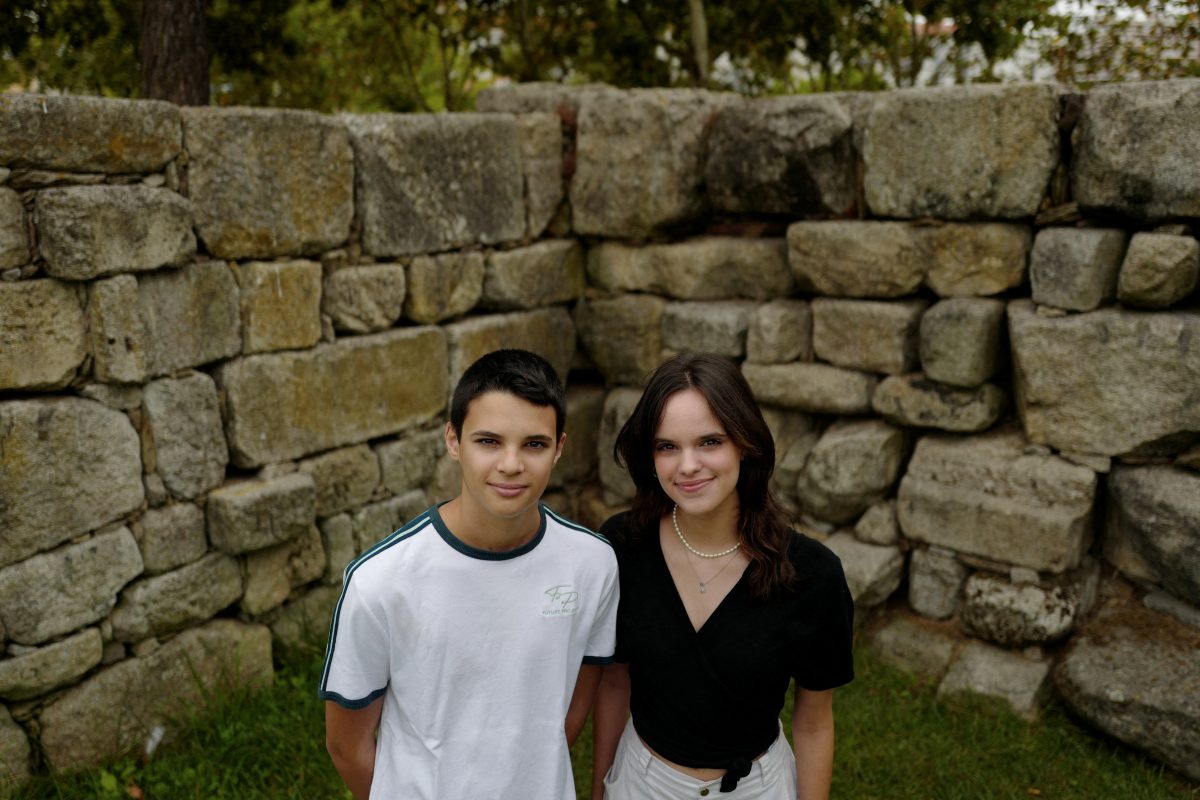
(812, 735)
(608, 720)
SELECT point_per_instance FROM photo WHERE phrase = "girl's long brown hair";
(763, 528)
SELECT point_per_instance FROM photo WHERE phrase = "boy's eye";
(536, 445)
(485, 442)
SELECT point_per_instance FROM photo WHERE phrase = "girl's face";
(696, 461)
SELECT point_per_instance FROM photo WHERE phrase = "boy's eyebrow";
(537, 437)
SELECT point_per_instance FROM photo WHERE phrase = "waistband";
(657, 773)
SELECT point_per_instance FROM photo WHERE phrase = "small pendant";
(703, 588)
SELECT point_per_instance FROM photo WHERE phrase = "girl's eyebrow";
(701, 437)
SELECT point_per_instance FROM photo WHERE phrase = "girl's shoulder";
(624, 533)
(812, 560)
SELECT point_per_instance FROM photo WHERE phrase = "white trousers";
(637, 774)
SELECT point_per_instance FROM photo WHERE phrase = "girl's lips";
(693, 486)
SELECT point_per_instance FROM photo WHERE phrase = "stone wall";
(227, 339)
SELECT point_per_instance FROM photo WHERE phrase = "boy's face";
(506, 452)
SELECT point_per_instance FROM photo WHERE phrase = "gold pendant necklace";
(704, 584)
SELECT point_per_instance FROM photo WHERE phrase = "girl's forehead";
(687, 412)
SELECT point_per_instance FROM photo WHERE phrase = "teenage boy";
(466, 647)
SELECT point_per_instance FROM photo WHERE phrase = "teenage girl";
(722, 605)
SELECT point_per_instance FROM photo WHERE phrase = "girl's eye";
(713, 442)
(661, 446)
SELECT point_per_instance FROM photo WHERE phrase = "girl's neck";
(714, 530)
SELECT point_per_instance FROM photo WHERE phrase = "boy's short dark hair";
(517, 372)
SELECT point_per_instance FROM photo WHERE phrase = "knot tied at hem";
(737, 769)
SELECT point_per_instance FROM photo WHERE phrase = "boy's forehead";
(503, 411)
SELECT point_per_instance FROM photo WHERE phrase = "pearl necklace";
(679, 533)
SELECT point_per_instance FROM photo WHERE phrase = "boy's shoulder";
(584, 541)
(389, 553)
(570, 527)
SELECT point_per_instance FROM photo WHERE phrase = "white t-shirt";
(476, 654)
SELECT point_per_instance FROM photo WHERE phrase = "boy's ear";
(558, 450)
(452, 443)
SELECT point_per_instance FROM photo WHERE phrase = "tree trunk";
(699, 27)
(174, 53)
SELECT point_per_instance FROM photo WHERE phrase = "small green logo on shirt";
(564, 601)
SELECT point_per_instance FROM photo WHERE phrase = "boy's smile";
(506, 452)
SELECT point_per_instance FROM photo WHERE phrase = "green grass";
(896, 740)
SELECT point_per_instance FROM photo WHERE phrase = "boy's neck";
(485, 531)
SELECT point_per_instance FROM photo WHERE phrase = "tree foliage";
(412, 55)
(1107, 40)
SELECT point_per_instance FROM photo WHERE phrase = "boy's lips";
(508, 489)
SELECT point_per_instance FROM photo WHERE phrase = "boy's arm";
(350, 740)
(611, 712)
(581, 700)
(812, 734)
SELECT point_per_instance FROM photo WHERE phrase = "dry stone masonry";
(228, 338)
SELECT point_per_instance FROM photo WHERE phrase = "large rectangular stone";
(1108, 382)
(870, 335)
(714, 326)
(639, 160)
(272, 573)
(186, 596)
(983, 496)
(622, 335)
(868, 258)
(189, 316)
(250, 515)
(268, 182)
(46, 668)
(345, 478)
(1000, 142)
(281, 305)
(549, 332)
(117, 336)
(42, 339)
(185, 426)
(114, 711)
(87, 134)
(54, 593)
(87, 232)
(817, 388)
(704, 268)
(542, 162)
(432, 182)
(67, 466)
(539, 275)
(14, 234)
(282, 406)
(408, 462)
(1136, 150)
(789, 156)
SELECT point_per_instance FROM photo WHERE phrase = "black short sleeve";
(616, 530)
(821, 618)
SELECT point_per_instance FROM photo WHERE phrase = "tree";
(174, 63)
(1106, 40)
